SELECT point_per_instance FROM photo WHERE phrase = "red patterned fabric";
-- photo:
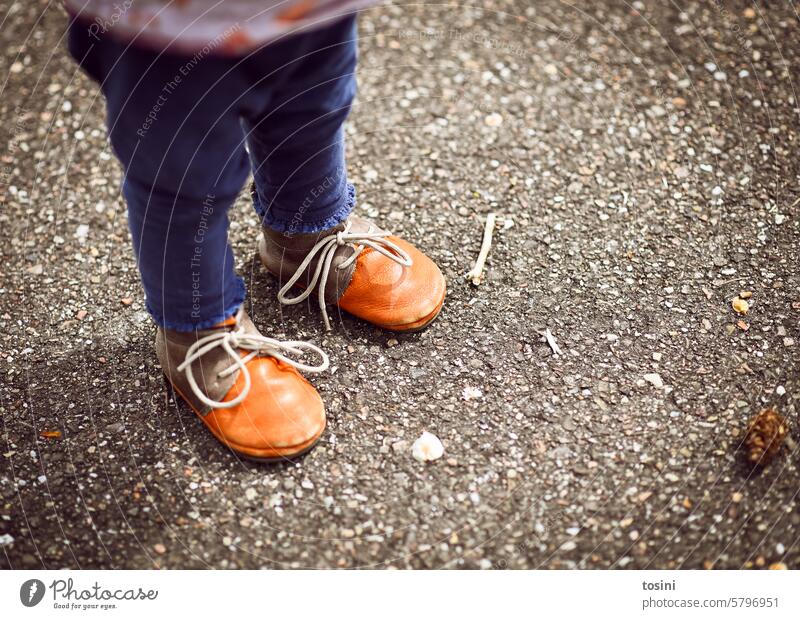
(228, 27)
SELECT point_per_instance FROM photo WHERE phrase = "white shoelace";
(230, 341)
(326, 248)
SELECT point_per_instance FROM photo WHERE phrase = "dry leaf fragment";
(765, 434)
(427, 447)
(740, 306)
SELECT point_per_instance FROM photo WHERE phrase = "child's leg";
(296, 143)
(303, 198)
(174, 122)
(175, 127)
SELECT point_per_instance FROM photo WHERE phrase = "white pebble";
(471, 393)
(82, 232)
(654, 379)
(493, 120)
(427, 447)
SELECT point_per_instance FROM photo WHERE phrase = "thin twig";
(476, 274)
(551, 341)
(730, 281)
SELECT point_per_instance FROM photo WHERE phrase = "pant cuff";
(203, 322)
(279, 224)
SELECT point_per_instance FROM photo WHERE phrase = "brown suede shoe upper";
(282, 254)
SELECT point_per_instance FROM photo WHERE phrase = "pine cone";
(765, 434)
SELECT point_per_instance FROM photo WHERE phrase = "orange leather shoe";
(245, 387)
(364, 270)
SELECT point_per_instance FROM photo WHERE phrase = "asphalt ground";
(642, 160)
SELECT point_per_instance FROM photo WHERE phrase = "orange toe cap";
(392, 296)
(282, 415)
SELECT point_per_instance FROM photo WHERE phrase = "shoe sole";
(276, 459)
(302, 449)
(414, 327)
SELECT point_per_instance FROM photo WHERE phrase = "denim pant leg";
(296, 142)
(174, 124)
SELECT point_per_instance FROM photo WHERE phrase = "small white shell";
(427, 447)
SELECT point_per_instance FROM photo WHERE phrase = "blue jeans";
(179, 125)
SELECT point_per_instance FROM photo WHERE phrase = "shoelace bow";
(258, 344)
(326, 248)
